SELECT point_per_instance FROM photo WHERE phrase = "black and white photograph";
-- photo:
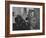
(24, 18)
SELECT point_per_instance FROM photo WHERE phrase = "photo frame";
(24, 18)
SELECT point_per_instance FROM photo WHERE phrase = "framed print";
(24, 19)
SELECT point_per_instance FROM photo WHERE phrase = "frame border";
(7, 18)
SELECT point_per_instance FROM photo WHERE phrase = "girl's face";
(33, 21)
